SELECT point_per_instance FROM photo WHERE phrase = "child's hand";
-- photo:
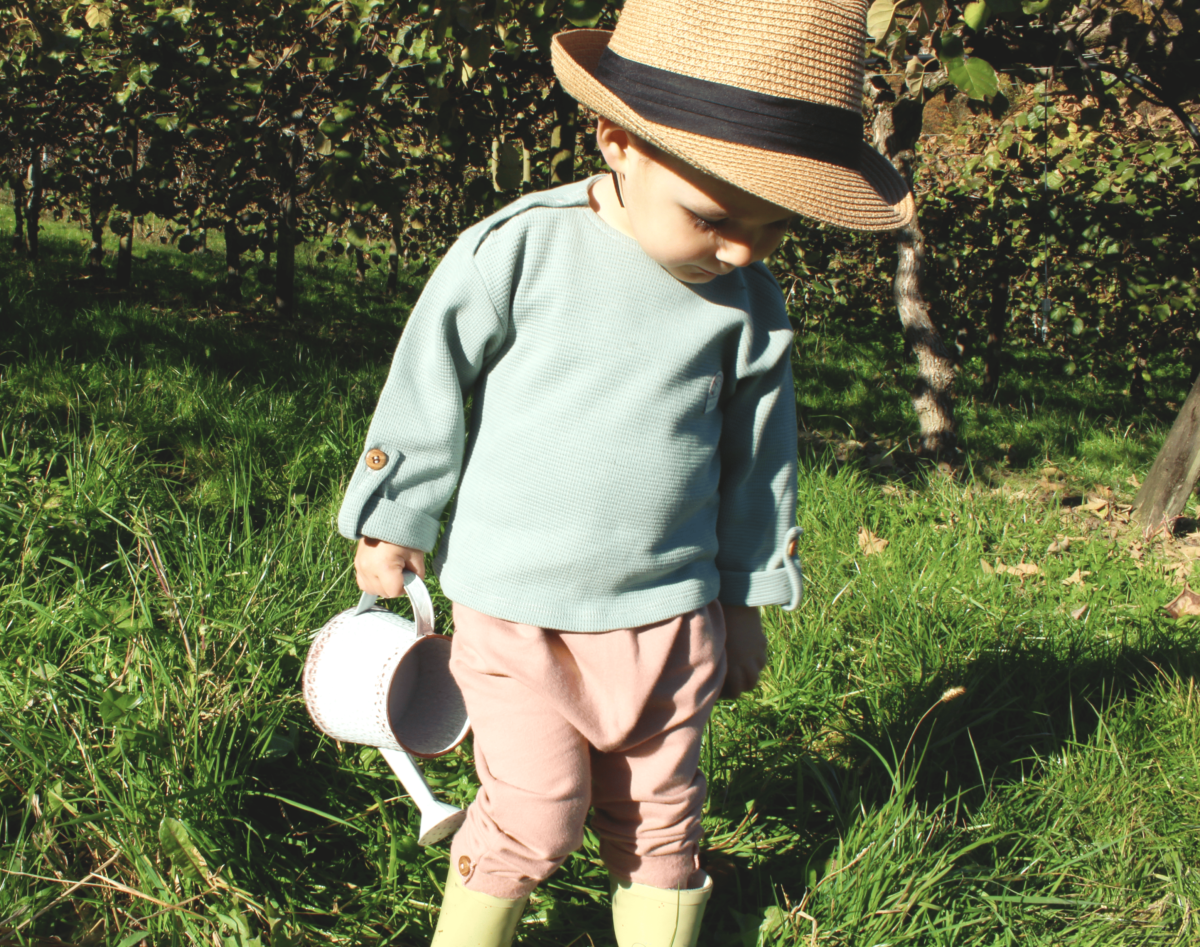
(379, 566)
(745, 649)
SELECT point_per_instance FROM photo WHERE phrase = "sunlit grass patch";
(168, 487)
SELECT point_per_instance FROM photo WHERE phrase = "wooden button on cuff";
(376, 459)
(464, 865)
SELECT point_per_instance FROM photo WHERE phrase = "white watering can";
(377, 678)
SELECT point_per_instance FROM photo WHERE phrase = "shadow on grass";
(853, 397)
(176, 313)
(1024, 706)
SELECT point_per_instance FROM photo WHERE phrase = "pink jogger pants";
(563, 721)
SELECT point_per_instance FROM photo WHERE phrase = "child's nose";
(736, 250)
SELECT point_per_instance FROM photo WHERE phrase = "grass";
(169, 475)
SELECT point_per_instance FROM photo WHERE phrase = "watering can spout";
(438, 819)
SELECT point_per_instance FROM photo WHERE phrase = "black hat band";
(728, 113)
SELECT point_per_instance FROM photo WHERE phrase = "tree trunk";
(285, 235)
(268, 245)
(96, 220)
(18, 188)
(360, 265)
(33, 204)
(896, 132)
(1175, 471)
(562, 138)
(125, 253)
(125, 238)
(393, 272)
(232, 287)
(997, 321)
(285, 258)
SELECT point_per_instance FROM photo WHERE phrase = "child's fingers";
(379, 567)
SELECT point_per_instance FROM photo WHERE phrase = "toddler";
(624, 484)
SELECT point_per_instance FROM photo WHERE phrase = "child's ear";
(614, 143)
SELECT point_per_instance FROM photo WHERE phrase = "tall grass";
(169, 475)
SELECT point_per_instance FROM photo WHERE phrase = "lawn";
(980, 728)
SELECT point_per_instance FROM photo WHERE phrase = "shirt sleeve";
(413, 455)
(756, 525)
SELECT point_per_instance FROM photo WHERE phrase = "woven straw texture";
(810, 50)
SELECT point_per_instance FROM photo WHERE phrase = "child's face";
(694, 225)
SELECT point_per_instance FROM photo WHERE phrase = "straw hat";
(765, 94)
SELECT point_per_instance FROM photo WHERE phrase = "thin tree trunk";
(233, 261)
(1175, 471)
(124, 272)
(997, 321)
(285, 238)
(268, 245)
(393, 271)
(285, 258)
(360, 265)
(18, 188)
(96, 220)
(125, 240)
(33, 204)
(896, 132)
(563, 137)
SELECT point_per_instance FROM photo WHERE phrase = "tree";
(1151, 48)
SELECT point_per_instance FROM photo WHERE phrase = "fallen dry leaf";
(1179, 570)
(986, 567)
(1136, 551)
(1061, 545)
(1190, 552)
(1133, 481)
(1096, 505)
(1076, 577)
(891, 490)
(869, 543)
(1022, 569)
(1079, 612)
(1186, 602)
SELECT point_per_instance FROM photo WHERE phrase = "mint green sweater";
(630, 451)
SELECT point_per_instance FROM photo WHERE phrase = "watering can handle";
(417, 593)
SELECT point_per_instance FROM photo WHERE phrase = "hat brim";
(869, 196)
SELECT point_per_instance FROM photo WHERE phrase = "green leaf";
(97, 17)
(508, 170)
(135, 938)
(914, 75)
(1055, 181)
(880, 18)
(583, 13)
(976, 14)
(115, 704)
(948, 46)
(974, 77)
(178, 846)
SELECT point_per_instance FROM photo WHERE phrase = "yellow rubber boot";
(474, 919)
(658, 917)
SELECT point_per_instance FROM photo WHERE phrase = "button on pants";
(564, 721)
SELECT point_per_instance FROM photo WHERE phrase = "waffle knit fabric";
(630, 449)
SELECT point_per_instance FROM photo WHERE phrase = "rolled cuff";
(781, 583)
(393, 523)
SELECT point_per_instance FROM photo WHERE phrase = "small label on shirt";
(714, 392)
